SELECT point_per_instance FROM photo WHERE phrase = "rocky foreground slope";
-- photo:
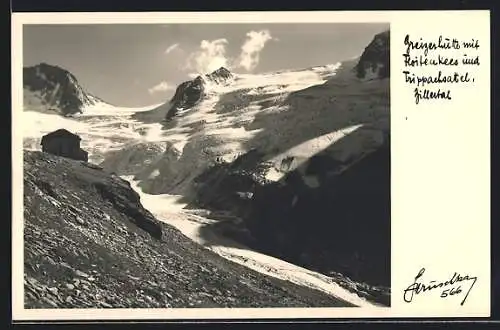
(88, 242)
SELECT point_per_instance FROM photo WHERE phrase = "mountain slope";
(90, 243)
(54, 89)
(297, 155)
(294, 164)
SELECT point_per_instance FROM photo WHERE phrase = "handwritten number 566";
(451, 292)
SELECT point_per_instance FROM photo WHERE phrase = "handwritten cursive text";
(450, 287)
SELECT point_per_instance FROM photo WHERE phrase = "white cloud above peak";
(252, 47)
(161, 87)
(211, 55)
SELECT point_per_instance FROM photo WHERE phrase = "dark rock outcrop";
(65, 144)
(187, 94)
(376, 57)
(89, 243)
(57, 88)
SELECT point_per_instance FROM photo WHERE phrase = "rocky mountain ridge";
(375, 60)
(54, 89)
(187, 95)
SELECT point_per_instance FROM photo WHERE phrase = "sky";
(137, 64)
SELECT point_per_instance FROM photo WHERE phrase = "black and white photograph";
(208, 165)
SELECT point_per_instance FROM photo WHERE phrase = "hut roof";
(60, 133)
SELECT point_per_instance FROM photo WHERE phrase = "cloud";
(210, 56)
(251, 49)
(171, 48)
(193, 75)
(161, 87)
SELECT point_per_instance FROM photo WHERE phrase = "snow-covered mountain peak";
(220, 76)
(193, 99)
(290, 113)
(50, 88)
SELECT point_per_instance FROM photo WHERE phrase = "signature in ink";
(450, 287)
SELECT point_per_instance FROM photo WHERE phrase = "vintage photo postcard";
(224, 165)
